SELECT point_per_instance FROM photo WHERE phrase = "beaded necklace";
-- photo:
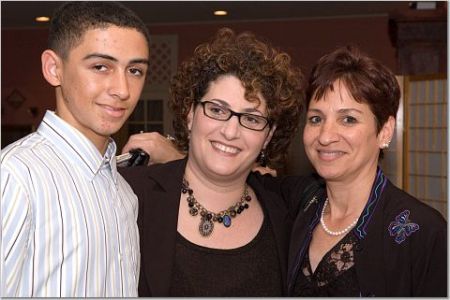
(208, 218)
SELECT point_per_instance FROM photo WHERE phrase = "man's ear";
(269, 136)
(51, 67)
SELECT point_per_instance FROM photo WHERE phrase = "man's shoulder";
(21, 160)
(27, 146)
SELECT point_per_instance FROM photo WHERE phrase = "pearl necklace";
(335, 233)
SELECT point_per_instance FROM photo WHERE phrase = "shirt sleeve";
(16, 220)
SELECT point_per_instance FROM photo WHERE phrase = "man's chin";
(110, 131)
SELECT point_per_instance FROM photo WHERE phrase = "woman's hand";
(264, 170)
(160, 148)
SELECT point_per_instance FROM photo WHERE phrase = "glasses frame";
(233, 113)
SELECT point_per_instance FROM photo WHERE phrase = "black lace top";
(335, 274)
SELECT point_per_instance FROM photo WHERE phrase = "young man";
(68, 218)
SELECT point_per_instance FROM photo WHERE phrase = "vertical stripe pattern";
(68, 218)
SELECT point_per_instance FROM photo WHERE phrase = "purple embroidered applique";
(402, 227)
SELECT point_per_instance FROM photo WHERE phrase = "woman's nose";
(231, 128)
(328, 133)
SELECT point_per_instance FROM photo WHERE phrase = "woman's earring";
(386, 145)
(262, 158)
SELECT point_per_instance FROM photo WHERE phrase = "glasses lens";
(216, 111)
(253, 121)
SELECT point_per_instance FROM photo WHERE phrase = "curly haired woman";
(207, 225)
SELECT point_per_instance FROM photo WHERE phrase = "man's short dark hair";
(72, 19)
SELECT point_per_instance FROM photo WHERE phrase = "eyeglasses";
(218, 112)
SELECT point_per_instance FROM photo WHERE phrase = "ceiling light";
(220, 13)
(42, 19)
(423, 5)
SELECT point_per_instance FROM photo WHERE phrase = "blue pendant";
(226, 221)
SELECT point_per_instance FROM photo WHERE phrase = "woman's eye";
(217, 110)
(252, 119)
(314, 119)
(350, 120)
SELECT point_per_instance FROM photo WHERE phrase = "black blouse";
(335, 274)
(248, 271)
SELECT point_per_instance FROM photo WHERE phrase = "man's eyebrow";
(99, 55)
(140, 61)
(109, 57)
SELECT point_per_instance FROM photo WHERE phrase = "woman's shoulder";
(161, 174)
(152, 170)
(296, 191)
(400, 206)
(297, 183)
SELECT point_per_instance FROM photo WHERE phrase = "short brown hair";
(261, 69)
(367, 80)
(72, 19)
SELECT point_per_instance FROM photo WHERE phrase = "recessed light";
(220, 13)
(423, 5)
(42, 19)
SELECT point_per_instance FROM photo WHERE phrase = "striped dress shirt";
(68, 218)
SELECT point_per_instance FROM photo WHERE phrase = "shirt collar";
(76, 147)
(377, 189)
(360, 229)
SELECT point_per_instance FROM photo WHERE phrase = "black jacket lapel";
(280, 222)
(158, 226)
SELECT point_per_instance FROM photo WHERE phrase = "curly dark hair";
(72, 19)
(261, 69)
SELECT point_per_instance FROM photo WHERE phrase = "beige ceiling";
(19, 14)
